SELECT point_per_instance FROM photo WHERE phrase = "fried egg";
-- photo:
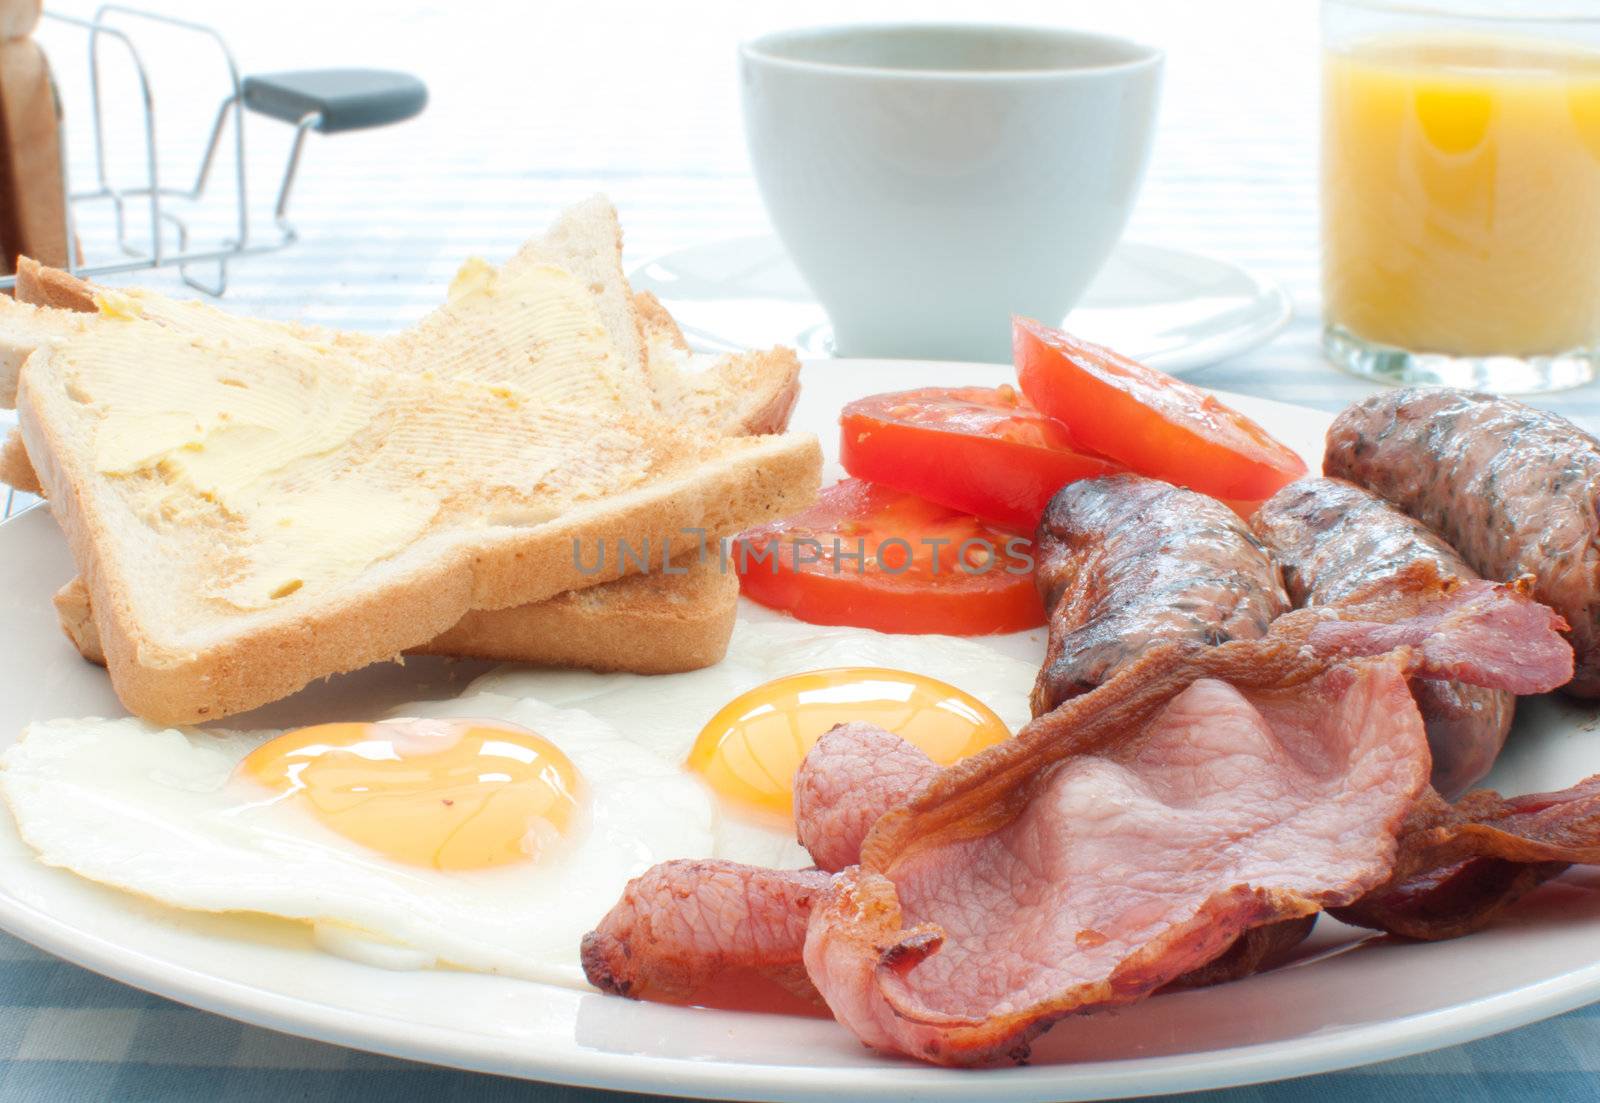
(743, 726)
(491, 831)
(486, 833)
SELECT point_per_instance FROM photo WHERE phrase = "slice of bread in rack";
(33, 206)
(675, 622)
(255, 505)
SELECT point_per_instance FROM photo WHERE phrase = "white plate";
(1171, 309)
(1345, 1003)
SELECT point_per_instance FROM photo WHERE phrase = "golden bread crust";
(662, 623)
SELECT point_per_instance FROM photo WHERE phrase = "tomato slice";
(875, 557)
(1157, 425)
(983, 450)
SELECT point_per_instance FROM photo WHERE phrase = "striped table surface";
(533, 109)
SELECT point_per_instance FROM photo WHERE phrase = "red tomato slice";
(1157, 425)
(982, 450)
(875, 557)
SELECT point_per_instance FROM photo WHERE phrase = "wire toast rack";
(151, 216)
(152, 229)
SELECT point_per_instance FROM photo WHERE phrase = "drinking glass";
(1461, 191)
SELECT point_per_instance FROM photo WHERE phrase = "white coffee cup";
(932, 180)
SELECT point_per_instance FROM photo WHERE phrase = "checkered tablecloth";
(533, 108)
(68, 1035)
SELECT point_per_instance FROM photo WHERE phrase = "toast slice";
(660, 623)
(731, 395)
(734, 394)
(688, 618)
(594, 357)
(671, 621)
(253, 514)
(249, 520)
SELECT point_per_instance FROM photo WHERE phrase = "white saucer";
(1171, 309)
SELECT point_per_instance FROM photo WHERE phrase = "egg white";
(156, 812)
(666, 712)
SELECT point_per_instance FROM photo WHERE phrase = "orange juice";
(1461, 195)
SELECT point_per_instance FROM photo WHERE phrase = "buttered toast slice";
(631, 354)
(745, 394)
(248, 519)
(259, 505)
(660, 623)
(625, 352)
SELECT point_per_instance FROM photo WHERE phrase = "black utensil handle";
(346, 99)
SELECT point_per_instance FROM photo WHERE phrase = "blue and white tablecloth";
(533, 108)
(67, 1034)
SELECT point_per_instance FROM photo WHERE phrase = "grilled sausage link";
(1126, 562)
(1513, 489)
(1336, 541)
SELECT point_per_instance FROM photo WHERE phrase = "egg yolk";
(748, 753)
(445, 794)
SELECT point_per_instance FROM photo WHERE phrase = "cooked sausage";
(1335, 541)
(1513, 489)
(1126, 562)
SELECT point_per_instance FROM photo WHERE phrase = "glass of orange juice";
(1461, 191)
